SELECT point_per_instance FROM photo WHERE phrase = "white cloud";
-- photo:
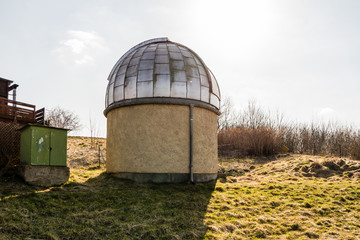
(326, 112)
(84, 59)
(75, 45)
(81, 47)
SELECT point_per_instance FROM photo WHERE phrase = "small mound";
(331, 167)
(290, 167)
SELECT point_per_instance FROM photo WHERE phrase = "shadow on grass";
(12, 185)
(106, 207)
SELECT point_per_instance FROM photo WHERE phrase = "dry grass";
(83, 155)
(83, 151)
(285, 197)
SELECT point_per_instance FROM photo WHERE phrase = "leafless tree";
(59, 117)
(226, 118)
(94, 131)
(254, 116)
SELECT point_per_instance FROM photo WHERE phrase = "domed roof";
(161, 71)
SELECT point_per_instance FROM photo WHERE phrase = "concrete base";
(165, 177)
(44, 175)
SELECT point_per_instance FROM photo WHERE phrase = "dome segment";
(161, 71)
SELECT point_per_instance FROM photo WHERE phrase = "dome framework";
(161, 71)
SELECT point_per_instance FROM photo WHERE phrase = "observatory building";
(161, 105)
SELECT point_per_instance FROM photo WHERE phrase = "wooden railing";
(20, 111)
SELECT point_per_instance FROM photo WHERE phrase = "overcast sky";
(299, 57)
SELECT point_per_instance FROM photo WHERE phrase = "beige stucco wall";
(205, 141)
(155, 138)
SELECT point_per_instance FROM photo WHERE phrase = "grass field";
(287, 197)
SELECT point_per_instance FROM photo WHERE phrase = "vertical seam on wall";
(191, 116)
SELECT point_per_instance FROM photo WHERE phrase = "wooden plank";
(19, 112)
(5, 100)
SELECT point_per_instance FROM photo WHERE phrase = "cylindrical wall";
(151, 142)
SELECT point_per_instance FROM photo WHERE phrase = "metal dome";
(161, 71)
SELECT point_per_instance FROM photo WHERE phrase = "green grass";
(105, 207)
(289, 209)
(270, 201)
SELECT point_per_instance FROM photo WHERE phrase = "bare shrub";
(94, 132)
(253, 131)
(242, 141)
(226, 118)
(355, 147)
(61, 118)
(291, 137)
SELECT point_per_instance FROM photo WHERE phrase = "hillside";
(285, 197)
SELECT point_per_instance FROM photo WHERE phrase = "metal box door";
(40, 146)
(58, 144)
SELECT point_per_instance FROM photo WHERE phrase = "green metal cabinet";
(41, 145)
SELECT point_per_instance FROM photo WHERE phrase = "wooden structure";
(13, 115)
(5, 87)
(12, 110)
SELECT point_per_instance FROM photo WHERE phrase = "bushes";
(254, 132)
(355, 148)
(242, 141)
